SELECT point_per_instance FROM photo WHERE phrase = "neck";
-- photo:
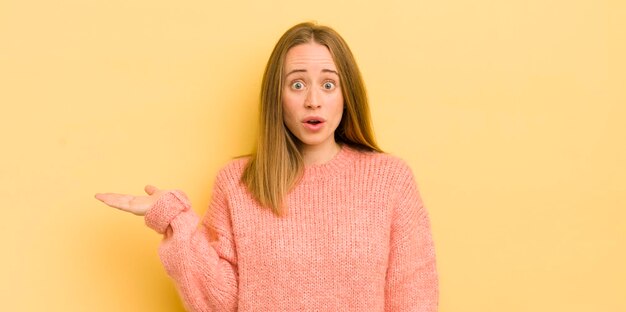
(317, 155)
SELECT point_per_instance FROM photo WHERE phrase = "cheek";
(288, 111)
(289, 100)
(338, 105)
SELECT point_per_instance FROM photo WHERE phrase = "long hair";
(277, 164)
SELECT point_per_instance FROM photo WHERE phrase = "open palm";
(137, 205)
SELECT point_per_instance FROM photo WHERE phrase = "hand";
(137, 205)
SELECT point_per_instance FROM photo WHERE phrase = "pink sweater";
(356, 238)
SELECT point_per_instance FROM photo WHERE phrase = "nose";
(312, 99)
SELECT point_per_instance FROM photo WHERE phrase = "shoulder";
(390, 173)
(382, 163)
(229, 174)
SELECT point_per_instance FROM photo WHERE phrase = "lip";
(307, 119)
(313, 127)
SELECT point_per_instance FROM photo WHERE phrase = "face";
(311, 95)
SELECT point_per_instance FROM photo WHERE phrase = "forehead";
(309, 55)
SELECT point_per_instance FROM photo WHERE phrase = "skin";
(311, 88)
(137, 205)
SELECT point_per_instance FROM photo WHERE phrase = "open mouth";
(313, 123)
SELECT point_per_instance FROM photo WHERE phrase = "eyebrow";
(304, 71)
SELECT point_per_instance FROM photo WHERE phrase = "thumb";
(150, 189)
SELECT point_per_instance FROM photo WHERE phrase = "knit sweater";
(356, 238)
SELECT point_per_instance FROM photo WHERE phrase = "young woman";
(318, 218)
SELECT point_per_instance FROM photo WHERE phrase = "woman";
(318, 218)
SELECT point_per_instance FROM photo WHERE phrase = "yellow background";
(511, 113)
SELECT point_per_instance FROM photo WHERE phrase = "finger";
(120, 201)
(150, 189)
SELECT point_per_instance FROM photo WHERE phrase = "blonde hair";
(277, 164)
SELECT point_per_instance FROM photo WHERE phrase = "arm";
(412, 281)
(203, 269)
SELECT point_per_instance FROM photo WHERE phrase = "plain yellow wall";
(511, 113)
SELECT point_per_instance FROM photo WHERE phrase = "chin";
(312, 142)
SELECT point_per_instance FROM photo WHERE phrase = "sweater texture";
(356, 237)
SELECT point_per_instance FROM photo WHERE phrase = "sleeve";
(199, 256)
(412, 282)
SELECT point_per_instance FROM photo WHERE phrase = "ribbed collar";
(345, 156)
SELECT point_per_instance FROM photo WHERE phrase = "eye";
(329, 85)
(298, 85)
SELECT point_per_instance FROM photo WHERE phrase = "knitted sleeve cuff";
(165, 209)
